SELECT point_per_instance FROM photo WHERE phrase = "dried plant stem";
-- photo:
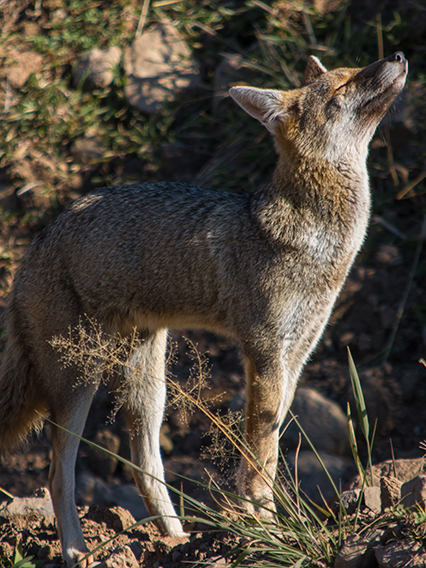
(142, 19)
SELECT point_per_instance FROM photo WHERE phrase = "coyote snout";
(263, 268)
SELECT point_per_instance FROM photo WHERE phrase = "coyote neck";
(315, 198)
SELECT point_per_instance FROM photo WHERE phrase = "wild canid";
(263, 268)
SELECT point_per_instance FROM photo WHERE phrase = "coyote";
(264, 268)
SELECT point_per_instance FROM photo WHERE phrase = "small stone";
(85, 484)
(403, 469)
(371, 498)
(349, 500)
(20, 65)
(323, 421)
(414, 491)
(312, 476)
(99, 461)
(390, 491)
(39, 503)
(388, 254)
(121, 557)
(357, 551)
(158, 64)
(128, 497)
(115, 518)
(96, 67)
(400, 554)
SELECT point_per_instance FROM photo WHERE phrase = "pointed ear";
(314, 69)
(266, 105)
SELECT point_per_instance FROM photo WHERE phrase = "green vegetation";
(300, 533)
(42, 120)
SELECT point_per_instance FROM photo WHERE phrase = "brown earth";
(380, 315)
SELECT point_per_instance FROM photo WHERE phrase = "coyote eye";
(341, 91)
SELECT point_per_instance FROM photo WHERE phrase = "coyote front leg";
(269, 394)
(145, 387)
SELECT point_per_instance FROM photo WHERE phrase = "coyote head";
(334, 114)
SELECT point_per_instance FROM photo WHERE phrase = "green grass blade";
(353, 444)
(359, 398)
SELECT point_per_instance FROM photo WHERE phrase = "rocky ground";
(380, 315)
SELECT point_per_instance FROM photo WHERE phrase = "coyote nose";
(398, 56)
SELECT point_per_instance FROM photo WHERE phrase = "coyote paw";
(78, 559)
(261, 507)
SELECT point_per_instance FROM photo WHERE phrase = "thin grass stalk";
(361, 408)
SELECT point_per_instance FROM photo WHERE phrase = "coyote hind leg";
(145, 386)
(62, 474)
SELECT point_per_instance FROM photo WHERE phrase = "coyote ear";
(265, 105)
(314, 69)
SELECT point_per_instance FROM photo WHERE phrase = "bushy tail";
(21, 405)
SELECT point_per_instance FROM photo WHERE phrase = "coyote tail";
(21, 406)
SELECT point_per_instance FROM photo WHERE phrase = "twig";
(403, 303)
(142, 19)
(263, 6)
(379, 35)
(296, 473)
(411, 186)
(388, 226)
(309, 29)
(8, 495)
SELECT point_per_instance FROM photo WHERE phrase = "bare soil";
(380, 315)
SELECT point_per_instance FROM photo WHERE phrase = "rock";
(371, 498)
(405, 471)
(158, 64)
(92, 489)
(414, 491)
(9, 201)
(311, 475)
(128, 497)
(20, 65)
(115, 518)
(122, 557)
(39, 504)
(400, 554)
(85, 483)
(390, 491)
(99, 461)
(349, 500)
(96, 67)
(358, 551)
(323, 421)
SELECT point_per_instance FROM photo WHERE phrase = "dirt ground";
(380, 315)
